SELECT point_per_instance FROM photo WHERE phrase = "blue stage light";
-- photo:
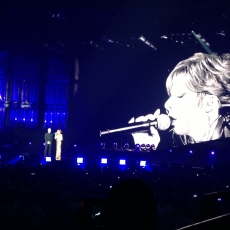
(122, 162)
(103, 160)
(48, 159)
(79, 160)
(143, 163)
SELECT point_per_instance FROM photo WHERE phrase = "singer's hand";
(151, 138)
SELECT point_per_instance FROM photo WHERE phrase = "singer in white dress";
(59, 138)
(198, 89)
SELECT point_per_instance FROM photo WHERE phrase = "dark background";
(119, 76)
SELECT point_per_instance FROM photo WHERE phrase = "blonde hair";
(205, 74)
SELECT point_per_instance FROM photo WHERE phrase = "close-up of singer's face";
(186, 109)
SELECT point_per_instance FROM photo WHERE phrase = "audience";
(130, 205)
(57, 196)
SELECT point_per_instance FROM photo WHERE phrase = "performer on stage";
(198, 89)
(59, 138)
(48, 142)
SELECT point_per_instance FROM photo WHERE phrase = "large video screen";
(153, 74)
(194, 110)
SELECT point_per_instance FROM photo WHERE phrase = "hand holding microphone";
(159, 121)
(152, 137)
(144, 128)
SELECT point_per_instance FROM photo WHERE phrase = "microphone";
(162, 123)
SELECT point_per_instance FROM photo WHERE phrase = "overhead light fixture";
(142, 38)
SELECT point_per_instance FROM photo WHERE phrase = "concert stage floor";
(197, 155)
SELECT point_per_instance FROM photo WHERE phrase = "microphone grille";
(163, 122)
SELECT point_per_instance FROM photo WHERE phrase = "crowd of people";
(59, 196)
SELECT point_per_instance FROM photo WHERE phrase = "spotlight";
(153, 147)
(212, 152)
(148, 147)
(143, 163)
(103, 160)
(143, 147)
(48, 159)
(79, 160)
(142, 38)
(190, 151)
(122, 162)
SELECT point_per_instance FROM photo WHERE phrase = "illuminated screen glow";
(103, 160)
(122, 162)
(143, 163)
(48, 159)
(79, 160)
(185, 117)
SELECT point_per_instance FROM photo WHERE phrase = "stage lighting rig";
(142, 38)
(143, 147)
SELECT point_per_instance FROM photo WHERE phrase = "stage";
(196, 155)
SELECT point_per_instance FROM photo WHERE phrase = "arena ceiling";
(142, 26)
